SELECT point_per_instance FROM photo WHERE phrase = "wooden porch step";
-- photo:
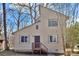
(42, 49)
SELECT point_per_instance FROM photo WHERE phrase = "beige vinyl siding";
(43, 31)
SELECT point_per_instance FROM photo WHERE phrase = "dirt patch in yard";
(13, 53)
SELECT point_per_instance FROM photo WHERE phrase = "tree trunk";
(72, 47)
(4, 21)
(18, 24)
(63, 44)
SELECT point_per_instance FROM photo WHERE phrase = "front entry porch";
(38, 47)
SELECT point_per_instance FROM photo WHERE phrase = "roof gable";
(27, 27)
(42, 9)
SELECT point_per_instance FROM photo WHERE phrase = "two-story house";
(43, 35)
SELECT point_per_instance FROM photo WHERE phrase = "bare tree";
(33, 11)
(17, 18)
(4, 20)
(0, 23)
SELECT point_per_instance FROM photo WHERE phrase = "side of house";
(2, 42)
(52, 26)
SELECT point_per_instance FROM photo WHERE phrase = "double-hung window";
(23, 38)
(53, 38)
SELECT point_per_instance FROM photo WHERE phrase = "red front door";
(37, 41)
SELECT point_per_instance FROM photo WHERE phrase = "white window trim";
(28, 39)
(53, 35)
(52, 20)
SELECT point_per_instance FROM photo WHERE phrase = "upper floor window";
(23, 38)
(52, 23)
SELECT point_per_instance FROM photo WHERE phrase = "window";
(52, 23)
(53, 38)
(37, 27)
(23, 38)
(50, 38)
